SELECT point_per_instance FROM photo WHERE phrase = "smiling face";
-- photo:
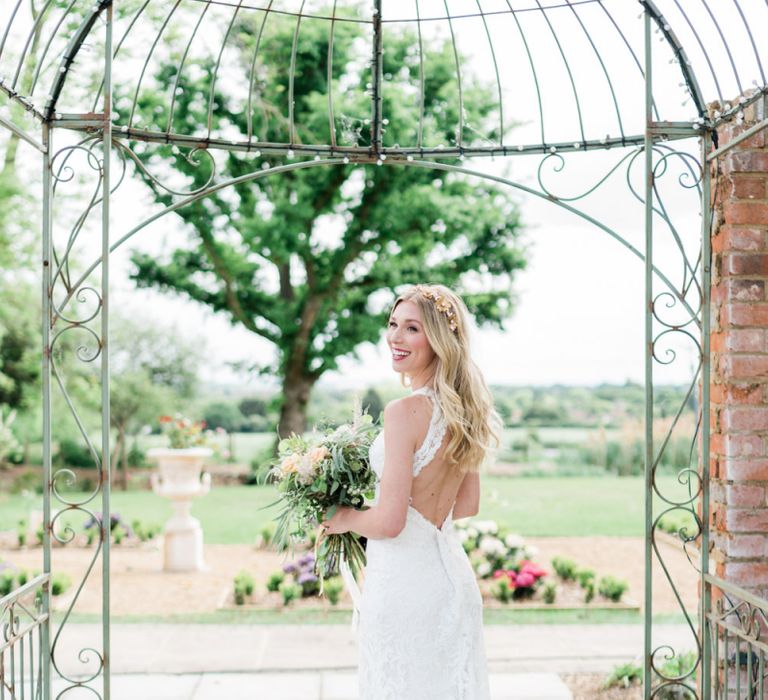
(411, 352)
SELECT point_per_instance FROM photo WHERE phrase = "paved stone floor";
(298, 685)
(318, 662)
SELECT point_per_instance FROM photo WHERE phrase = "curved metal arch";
(581, 22)
(430, 165)
(679, 51)
(70, 54)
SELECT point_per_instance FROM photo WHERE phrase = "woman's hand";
(339, 523)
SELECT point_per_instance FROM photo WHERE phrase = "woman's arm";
(387, 517)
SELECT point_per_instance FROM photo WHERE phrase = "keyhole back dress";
(420, 628)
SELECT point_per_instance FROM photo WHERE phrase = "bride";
(421, 612)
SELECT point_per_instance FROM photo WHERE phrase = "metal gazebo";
(643, 79)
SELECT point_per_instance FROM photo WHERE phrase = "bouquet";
(317, 475)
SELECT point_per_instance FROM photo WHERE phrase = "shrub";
(303, 572)
(7, 577)
(624, 675)
(144, 532)
(584, 576)
(502, 590)
(589, 591)
(246, 581)
(290, 591)
(612, 588)
(22, 577)
(115, 522)
(679, 520)
(274, 581)
(28, 481)
(40, 534)
(266, 534)
(244, 586)
(549, 592)
(21, 533)
(333, 588)
(74, 454)
(564, 568)
(239, 595)
(677, 667)
(118, 533)
(60, 582)
(137, 457)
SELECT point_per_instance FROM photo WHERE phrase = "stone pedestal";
(180, 478)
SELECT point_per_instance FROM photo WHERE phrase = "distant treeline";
(607, 405)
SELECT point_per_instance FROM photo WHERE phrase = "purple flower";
(289, 568)
(306, 577)
(307, 559)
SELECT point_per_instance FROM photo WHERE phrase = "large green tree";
(263, 252)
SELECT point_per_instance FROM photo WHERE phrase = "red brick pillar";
(739, 356)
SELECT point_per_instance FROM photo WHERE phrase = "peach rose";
(318, 454)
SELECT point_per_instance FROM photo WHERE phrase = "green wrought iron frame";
(105, 147)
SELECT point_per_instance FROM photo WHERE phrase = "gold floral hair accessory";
(443, 306)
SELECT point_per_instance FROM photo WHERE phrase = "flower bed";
(506, 572)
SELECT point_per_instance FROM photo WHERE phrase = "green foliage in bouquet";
(314, 477)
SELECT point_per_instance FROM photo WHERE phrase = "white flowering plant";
(315, 476)
(491, 548)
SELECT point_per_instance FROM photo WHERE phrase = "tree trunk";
(113, 460)
(124, 480)
(293, 413)
(119, 440)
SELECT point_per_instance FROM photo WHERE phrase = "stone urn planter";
(180, 477)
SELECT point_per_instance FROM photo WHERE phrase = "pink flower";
(498, 573)
(533, 569)
(524, 579)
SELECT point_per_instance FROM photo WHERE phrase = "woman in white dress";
(421, 612)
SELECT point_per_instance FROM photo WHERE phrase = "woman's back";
(436, 482)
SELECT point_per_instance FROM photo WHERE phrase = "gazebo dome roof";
(564, 73)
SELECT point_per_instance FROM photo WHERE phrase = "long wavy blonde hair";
(473, 424)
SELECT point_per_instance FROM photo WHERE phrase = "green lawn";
(530, 506)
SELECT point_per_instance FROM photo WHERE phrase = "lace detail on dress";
(435, 433)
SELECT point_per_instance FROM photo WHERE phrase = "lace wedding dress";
(420, 633)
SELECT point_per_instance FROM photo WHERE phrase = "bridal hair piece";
(472, 422)
(442, 304)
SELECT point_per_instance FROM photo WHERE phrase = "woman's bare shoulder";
(411, 413)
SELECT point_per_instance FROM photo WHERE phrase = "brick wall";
(739, 355)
